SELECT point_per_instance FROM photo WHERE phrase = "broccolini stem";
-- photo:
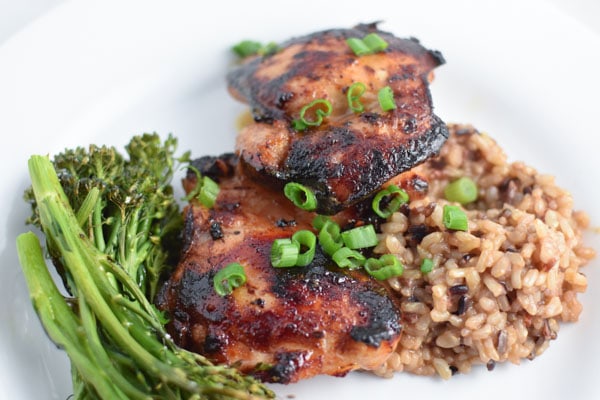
(78, 256)
(57, 317)
(100, 355)
(97, 227)
(88, 205)
(124, 351)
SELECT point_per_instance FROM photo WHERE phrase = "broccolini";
(110, 224)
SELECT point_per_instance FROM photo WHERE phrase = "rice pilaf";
(498, 291)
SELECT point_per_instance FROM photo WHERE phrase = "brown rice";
(499, 291)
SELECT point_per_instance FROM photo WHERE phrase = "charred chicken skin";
(350, 154)
(283, 324)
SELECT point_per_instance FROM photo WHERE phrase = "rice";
(499, 291)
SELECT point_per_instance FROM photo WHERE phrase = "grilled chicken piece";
(283, 324)
(349, 155)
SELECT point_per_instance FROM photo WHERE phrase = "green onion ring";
(386, 98)
(284, 253)
(300, 195)
(330, 238)
(348, 258)
(319, 221)
(208, 192)
(355, 91)
(359, 47)
(319, 112)
(229, 278)
(398, 197)
(375, 43)
(360, 237)
(387, 266)
(426, 265)
(454, 218)
(305, 240)
(462, 190)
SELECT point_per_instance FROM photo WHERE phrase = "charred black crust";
(383, 322)
(215, 167)
(382, 315)
(215, 230)
(286, 366)
(369, 173)
(188, 229)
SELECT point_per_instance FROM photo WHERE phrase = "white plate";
(521, 71)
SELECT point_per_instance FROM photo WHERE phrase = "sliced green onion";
(387, 266)
(330, 238)
(300, 195)
(268, 49)
(348, 258)
(360, 237)
(394, 196)
(426, 265)
(371, 43)
(386, 98)
(298, 125)
(353, 95)
(319, 221)
(322, 109)
(455, 218)
(463, 190)
(229, 278)
(247, 48)
(307, 243)
(208, 192)
(284, 253)
(375, 43)
(359, 47)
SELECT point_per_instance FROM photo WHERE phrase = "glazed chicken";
(350, 154)
(283, 324)
(287, 324)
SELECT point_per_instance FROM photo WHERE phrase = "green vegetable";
(386, 98)
(307, 245)
(107, 223)
(247, 48)
(229, 278)
(360, 237)
(462, 190)
(298, 251)
(330, 238)
(300, 195)
(455, 218)
(205, 191)
(426, 265)
(385, 267)
(284, 253)
(348, 258)
(359, 47)
(375, 43)
(321, 108)
(394, 196)
(353, 96)
(319, 221)
(371, 43)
